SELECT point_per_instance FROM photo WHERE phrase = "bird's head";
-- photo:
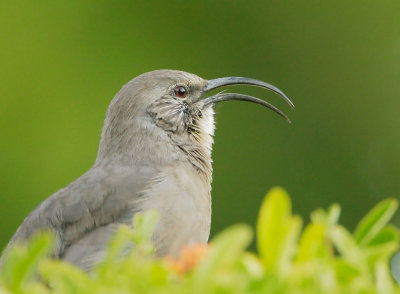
(177, 103)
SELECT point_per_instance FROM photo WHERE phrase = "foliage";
(324, 257)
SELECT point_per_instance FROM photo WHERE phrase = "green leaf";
(313, 243)
(345, 272)
(144, 225)
(127, 238)
(22, 260)
(253, 266)
(65, 278)
(387, 235)
(333, 214)
(277, 230)
(384, 281)
(374, 221)
(379, 252)
(223, 251)
(330, 217)
(289, 245)
(345, 243)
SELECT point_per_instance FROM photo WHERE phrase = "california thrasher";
(154, 153)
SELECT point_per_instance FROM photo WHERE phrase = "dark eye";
(180, 91)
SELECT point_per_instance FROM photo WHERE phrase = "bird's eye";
(180, 91)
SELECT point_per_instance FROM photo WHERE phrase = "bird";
(154, 154)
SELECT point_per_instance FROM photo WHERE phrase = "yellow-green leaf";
(375, 220)
(275, 228)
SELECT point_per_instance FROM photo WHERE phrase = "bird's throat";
(197, 144)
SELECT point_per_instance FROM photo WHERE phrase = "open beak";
(221, 82)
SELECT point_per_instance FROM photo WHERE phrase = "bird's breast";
(182, 198)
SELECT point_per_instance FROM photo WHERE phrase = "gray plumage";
(154, 153)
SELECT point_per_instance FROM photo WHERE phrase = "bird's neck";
(146, 144)
(135, 141)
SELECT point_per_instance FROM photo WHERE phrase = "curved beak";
(221, 82)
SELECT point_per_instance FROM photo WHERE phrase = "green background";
(63, 61)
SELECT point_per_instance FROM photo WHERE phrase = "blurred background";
(63, 61)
